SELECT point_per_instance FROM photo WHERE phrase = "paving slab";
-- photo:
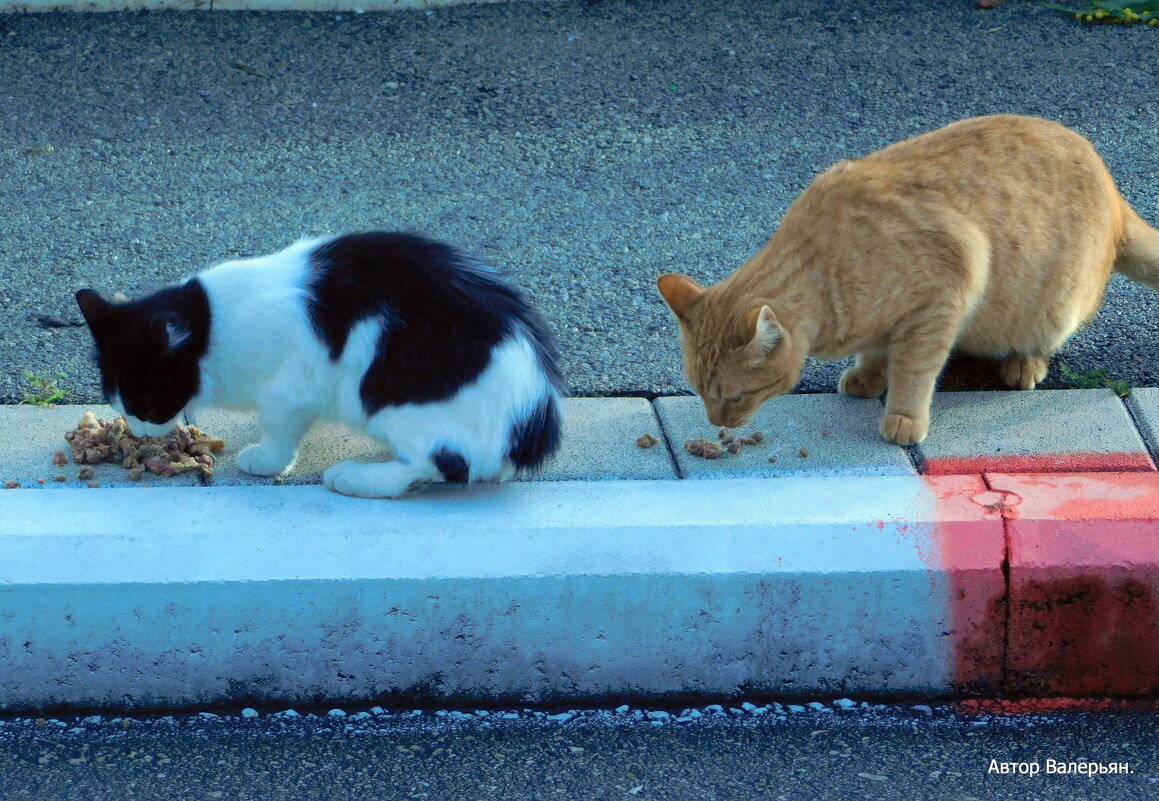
(325, 445)
(1047, 431)
(599, 443)
(32, 434)
(1144, 407)
(803, 435)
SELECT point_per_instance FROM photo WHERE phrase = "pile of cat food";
(182, 450)
(726, 443)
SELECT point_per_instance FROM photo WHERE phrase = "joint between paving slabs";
(1152, 453)
(666, 435)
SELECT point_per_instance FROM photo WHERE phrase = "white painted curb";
(356, 6)
(530, 591)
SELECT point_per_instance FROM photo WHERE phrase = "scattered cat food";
(59, 459)
(727, 443)
(93, 484)
(10, 484)
(41, 481)
(804, 453)
(703, 447)
(60, 477)
(646, 441)
(772, 460)
(824, 432)
(184, 449)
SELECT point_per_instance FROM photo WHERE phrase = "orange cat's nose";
(718, 417)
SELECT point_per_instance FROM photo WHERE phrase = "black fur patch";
(537, 436)
(155, 382)
(452, 465)
(443, 314)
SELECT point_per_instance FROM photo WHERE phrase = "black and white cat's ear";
(679, 292)
(94, 308)
(168, 331)
(767, 332)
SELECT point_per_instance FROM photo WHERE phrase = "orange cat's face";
(734, 363)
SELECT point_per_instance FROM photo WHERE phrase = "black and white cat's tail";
(536, 437)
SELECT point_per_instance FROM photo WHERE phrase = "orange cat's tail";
(1138, 255)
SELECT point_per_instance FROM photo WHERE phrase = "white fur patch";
(477, 421)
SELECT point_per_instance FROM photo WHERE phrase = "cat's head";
(149, 352)
(736, 358)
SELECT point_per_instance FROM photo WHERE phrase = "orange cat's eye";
(735, 398)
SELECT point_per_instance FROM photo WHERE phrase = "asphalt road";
(583, 147)
(881, 752)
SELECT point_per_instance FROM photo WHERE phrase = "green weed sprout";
(1093, 379)
(1114, 12)
(45, 391)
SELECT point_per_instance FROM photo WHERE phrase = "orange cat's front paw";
(902, 430)
(858, 382)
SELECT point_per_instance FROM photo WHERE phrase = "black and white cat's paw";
(378, 480)
(264, 460)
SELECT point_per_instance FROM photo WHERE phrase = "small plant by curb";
(1113, 12)
(46, 390)
(1093, 379)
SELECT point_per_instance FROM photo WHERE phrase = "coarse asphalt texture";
(736, 752)
(582, 147)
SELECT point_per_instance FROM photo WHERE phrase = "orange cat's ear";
(767, 332)
(679, 292)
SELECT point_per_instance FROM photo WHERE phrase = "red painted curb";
(971, 548)
(1083, 583)
(1046, 463)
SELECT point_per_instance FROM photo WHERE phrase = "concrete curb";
(355, 6)
(805, 582)
(532, 592)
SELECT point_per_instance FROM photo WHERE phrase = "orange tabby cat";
(994, 236)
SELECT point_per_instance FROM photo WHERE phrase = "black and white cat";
(401, 337)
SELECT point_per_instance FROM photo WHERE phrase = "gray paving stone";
(599, 443)
(839, 434)
(326, 444)
(33, 433)
(1144, 406)
(1066, 430)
